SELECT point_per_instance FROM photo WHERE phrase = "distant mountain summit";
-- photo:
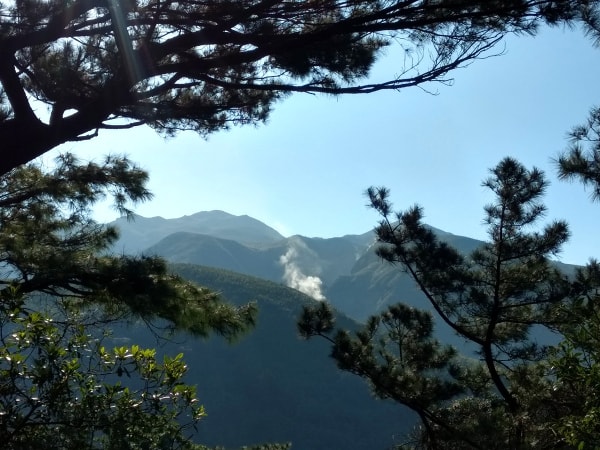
(344, 270)
(301, 395)
(142, 232)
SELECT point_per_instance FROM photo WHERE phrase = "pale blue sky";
(305, 171)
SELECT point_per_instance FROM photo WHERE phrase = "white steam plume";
(294, 278)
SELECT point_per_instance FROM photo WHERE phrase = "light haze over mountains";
(343, 270)
(292, 389)
(306, 170)
(303, 397)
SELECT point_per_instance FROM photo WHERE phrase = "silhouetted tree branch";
(204, 65)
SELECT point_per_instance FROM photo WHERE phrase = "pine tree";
(576, 360)
(204, 65)
(61, 290)
(49, 244)
(498, 392)
(582, 159)
(575, 366)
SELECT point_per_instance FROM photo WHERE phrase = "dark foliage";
(497, 392)
(60, 295)
(49, 245)
(203, 65)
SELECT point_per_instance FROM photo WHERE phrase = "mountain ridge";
(139, 232)
(217, 218)
(271, 385)
(345, 270)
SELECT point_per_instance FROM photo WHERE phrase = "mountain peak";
(142, 232)
(214, 213)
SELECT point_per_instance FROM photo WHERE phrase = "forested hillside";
(351, 276)
(408, 338)
(271, 385)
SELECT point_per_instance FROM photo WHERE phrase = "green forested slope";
(273, 386)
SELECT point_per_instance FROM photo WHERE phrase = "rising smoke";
(294, 278)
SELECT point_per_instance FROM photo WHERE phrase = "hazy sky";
(306, 170)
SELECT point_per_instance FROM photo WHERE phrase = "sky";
(305, 171)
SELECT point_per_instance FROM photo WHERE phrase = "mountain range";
(344, 270)
(138, 233)
(272, 386)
